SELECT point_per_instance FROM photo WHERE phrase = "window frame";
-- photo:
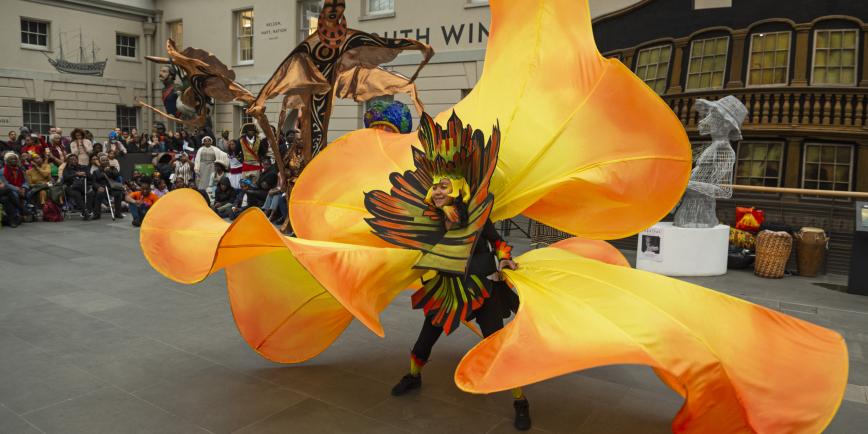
(377, 14)
(668, 66)
(242, 114)
(856, 57)
(820, 163)
(304, 32)
(237, 15)
(725, 63)
(49, 105)
(171, 34)
(28, 46)
(135, 47)
(789, 60)
(780, 177)
(118, 116)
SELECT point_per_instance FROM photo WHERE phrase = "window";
(243, 117)
(127, 118)
(827, 167)
(835, 57)
(759, 164)
(34, 33)
(707, 63)
(244, 36)
(711, 4)
(653, 67)
(308, 16)
(126, 46)
(769, 59)
(176, 32)
(376, 7)
(37, 116)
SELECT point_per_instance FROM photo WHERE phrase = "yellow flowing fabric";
(742, 368)
(586, 148)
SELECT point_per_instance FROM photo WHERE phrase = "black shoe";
(137, 223)
(522, 414)
(85, 216)
(96, 216)
(407, 383)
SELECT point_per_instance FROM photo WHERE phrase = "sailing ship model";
(82, 66)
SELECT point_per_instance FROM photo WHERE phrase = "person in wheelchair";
(108, 188)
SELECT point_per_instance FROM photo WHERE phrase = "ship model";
(82, 66)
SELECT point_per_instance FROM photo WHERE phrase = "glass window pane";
(768, 76)
(719, 63)
(694, 65)
(848, 58)
(835, 58)
(756, 77)
(693, 82)
(769, 42)
(643, 57)
(705, 80)
(843, 155)
(810, 185)
(813, 154)
(717, 79)
(812, 171)
(825, 186)
(823, 39)
(821, 57)
(783, 41)
(849, 39)
(722, 45)
(835, 40)
(654, 56)
(819, 75)
(827, 154)
(842, 173)
(833, 76)
(781, 59)
(641, 72)
(707, 65)
(760, 151)
(847, 76)
(780, 76)
(666, 53)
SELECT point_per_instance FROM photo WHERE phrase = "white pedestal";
(672, 251)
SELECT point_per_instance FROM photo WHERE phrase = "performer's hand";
(508, 263)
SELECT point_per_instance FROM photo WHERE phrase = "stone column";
(627, 58)
(677, 62)
(149, 28)
(861, 161)
(864, 70)
(792, 166)
(802, 53)
(736, 69)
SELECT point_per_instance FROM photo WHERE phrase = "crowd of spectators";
(52, 177)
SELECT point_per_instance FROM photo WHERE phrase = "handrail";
(759, 189)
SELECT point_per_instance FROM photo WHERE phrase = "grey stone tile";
(639, 411)
(11, 423)
(858, 373)
(43, 382)
(87, 301)
(851, 418)
(856, 394)
(313, 416)
(506, 427)
(108, 411)
(423, 414)
(220, 400)
(330, 385)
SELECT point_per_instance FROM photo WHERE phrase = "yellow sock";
(415, 367)
(517, 393)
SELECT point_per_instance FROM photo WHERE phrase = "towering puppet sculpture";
(584, 146)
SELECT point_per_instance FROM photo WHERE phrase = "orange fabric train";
(587, 148)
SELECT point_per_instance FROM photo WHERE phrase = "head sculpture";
(332, 24)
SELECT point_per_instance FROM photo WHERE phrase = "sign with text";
(448, 35)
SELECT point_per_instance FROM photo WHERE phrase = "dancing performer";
(253, 152)
(449, 223)
(584, 146)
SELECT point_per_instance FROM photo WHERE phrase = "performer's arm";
(502, 249)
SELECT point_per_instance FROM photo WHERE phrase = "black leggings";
(489, 317)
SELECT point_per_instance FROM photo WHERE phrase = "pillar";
(677, 64)
(802, 54)
(736, 68)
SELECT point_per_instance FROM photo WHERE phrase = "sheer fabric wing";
(290, 298)
(765, 372)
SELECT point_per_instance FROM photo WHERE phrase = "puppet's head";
(332, 25)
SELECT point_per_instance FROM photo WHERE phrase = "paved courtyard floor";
(92, 340)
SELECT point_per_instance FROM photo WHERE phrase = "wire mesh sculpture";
(712, 175)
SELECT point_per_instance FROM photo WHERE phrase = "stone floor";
(92, 340)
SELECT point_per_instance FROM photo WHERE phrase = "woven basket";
(772, 253)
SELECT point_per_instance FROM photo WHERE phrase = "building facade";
(800, 67)
(251, 36)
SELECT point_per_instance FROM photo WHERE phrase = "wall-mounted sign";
(273, 30)
(451, 35)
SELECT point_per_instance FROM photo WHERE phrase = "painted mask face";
(440, 193)
(332, 25)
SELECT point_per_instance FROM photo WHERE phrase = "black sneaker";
(407, 383)
(522, 414)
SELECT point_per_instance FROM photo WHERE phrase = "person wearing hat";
(712, 174)
(253, 150)
(204, 161)
(223, 140)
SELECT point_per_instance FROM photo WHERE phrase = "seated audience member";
(32, 146)
(224, 198)
(179, 183)
(249, 197)
(55, 153)
(107, 179)
(39, 178)
(12, 209)
(115, 144)
(113, 160)
(163, 164)
(14, 176)
(141, 201)
(160, 187)
(77, 180)
(94, 163)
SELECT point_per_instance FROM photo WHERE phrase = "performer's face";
(164, 74)
(333, 10)
(440, 193)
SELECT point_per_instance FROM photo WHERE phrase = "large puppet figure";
(204, 79)
(584, 146)
(336, 62)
